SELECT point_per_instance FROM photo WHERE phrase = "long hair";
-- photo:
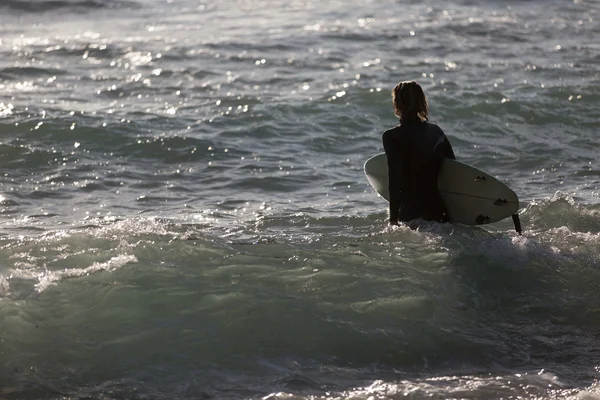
(410, 103)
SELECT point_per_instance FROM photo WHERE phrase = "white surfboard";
(471, 196)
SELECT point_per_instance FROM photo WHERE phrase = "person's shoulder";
(434, 126)
(390, 132)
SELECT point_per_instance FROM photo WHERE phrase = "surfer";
(415, 150)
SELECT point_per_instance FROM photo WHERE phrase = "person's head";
(410, 103)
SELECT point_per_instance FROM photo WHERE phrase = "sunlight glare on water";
(185, 214)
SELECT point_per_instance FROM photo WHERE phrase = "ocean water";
(183, 212)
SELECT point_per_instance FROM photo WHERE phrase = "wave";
(294, 294)
(41, 6)
(558, 232)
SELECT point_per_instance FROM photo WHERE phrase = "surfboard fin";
(517, 223)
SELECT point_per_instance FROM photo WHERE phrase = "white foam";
(519, 385)
(4, 287)
(48, 278)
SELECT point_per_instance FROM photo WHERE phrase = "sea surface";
(184, 214)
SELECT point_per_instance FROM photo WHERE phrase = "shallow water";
(184, 212)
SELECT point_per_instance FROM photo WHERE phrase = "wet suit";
(415, 151)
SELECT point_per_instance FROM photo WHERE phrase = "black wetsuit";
(415, 151)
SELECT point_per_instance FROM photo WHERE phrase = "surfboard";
(471, 196)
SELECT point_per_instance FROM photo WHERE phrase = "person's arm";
(394, 177)
(447, 148)
(442, 150)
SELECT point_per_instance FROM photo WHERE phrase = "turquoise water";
(184, 214)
